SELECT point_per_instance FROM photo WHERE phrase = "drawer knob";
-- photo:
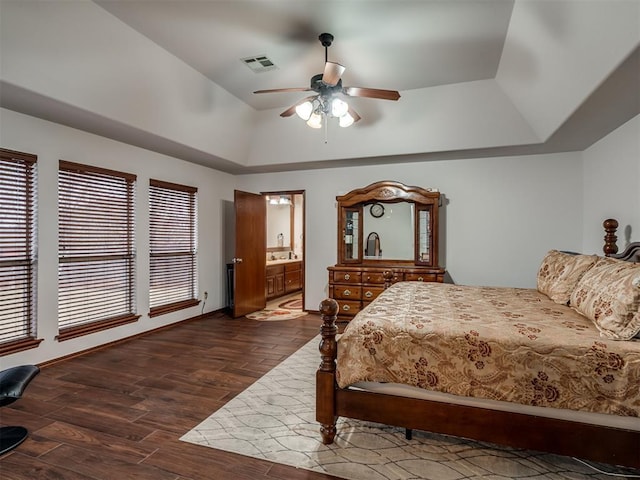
(368, 294)
(420, 279)
(346, 308)
(346, 293)
(347, 276)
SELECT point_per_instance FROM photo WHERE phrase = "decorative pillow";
(560, 272)
(609, 295)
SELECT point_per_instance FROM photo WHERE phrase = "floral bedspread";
(505, 344)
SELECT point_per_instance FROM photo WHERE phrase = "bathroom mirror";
(280, 222)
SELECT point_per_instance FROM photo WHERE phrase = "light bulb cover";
(315, 120)
(346, 120)
(304, 110)
(339, 107)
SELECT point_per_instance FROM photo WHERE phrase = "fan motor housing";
(319, 86)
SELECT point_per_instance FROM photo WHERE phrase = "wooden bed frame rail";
(616, 446)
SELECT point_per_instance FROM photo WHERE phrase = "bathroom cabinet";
(282, 278)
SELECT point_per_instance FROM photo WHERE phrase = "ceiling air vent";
(259, 63)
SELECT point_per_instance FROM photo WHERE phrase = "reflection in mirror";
(395, 231)
(351, 235)
(424, 222)
(279, 222)
(373, 246)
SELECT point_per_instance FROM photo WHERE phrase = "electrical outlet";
(205, 295)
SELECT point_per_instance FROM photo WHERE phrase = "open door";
(250, 253)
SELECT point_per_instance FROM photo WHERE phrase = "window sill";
(19, 345)
(86, 329)
(172, 307)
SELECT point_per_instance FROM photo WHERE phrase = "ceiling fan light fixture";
(346, 120)
(339, 107)
(304, 110)
(315, 120)
(327, 86)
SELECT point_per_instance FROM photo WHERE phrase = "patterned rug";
(271, 315)
(293, 304)
(274, 419)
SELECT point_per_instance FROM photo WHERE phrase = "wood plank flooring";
(118, 413)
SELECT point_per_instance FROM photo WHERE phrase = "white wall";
(51, 142)
(612, 186)
(77, 53)
(554, 56)
(501, 215)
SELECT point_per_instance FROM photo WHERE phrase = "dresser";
(355, 287)
(387, 233)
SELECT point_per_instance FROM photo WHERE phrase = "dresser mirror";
(387, 233)
(390, 235)
(388, 223)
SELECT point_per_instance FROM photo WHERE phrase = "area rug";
(274, 419)
(293, 304)
(270, 315)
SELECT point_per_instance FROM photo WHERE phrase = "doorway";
(285, 244)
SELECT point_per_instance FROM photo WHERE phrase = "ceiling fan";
(328, 88)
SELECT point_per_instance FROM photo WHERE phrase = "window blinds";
(96, 271)
(172, 245)
(17, 251)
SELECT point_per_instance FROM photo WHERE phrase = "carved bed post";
(326, 374)
(610, 247)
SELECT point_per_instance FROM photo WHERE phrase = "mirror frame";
(390, 192)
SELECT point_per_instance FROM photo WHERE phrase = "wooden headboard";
(610, 248)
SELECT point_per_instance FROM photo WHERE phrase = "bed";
(553, 369)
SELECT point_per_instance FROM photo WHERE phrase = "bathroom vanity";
(283, 277)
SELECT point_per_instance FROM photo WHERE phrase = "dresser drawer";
(420, 277)
(373, 277)
(348, 307)
(370, 293)
(347, 292)
(340, 276)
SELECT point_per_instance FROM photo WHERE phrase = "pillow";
(609, 295)
(560, 272)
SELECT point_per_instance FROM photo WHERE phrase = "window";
(17, 252)
(96, 270)
(172, 245)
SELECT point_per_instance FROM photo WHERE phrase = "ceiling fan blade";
(354, 115)
(289, 111)
(280, 90)
(292, 109)
(332, 73)
(371, 93)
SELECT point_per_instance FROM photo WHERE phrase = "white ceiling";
(398, 45)
(477, 77)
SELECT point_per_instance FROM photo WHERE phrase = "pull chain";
(326, 128)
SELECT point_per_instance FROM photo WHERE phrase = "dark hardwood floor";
(117, 413)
